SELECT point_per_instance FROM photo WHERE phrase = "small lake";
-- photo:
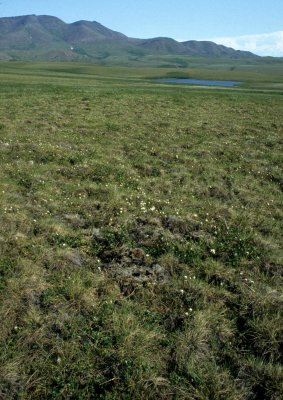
(199, 82)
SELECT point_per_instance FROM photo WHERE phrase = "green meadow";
(141, 232)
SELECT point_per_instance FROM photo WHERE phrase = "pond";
(199, 82)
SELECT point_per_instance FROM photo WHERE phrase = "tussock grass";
(141, 248)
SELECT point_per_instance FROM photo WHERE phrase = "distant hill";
(44, 37)
(211, 49)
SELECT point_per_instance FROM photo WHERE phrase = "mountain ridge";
(45, 37)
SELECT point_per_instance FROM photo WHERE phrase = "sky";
(254, 25)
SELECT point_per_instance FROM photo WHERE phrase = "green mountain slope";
(45, 37)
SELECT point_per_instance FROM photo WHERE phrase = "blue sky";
(255, 25)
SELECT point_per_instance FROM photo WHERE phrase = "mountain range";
(44, 37)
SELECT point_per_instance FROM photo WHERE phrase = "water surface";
(203, 82)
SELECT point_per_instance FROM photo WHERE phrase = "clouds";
(266, 44)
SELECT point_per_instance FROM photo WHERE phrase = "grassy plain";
(140, 233)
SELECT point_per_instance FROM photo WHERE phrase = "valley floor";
(141, 247)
